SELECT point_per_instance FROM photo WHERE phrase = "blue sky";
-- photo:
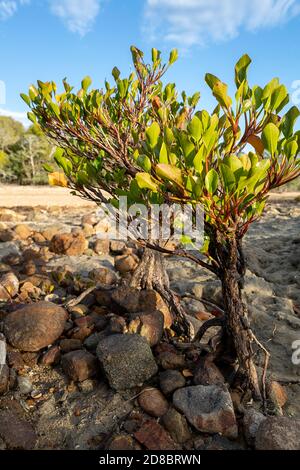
(51, 39)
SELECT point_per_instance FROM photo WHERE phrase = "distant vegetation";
(23, 152)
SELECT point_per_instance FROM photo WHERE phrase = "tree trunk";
(151, 274)
(236, 321)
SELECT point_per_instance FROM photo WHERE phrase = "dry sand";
(18, 196)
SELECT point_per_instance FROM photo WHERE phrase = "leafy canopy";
(140, 138)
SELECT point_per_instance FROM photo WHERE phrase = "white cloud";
(77, 15)
(190, 22)
(22, 117)
(9, 7)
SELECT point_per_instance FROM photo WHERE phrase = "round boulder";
(35, 326)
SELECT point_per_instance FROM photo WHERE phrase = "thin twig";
(266, 363)
(73, 302)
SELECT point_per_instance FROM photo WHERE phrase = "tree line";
(23, 153)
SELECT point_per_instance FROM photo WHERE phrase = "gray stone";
(177, 426)
(251, 421)
(171, 380)
(278, 433)
(208, 408)
(126, 360)
(24, 385)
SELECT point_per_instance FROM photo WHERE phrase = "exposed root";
(218, 321)
(73, 302)
(266, 363)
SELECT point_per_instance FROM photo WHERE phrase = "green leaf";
(199, 160)
(270, 136)
(187, 146)
(26, 99)
(169, 172)
(152, 134)
(163, 154)
(257, 93)
(144, 162)
(195, 128)
(86, 82)
(288, 121)
(211, 181)
(146, 181)
(62, 162)
(169, 136)
(241, 69)
(48, 168)
(220, 93)
(291, 149)
(173, 56)
(235, 165)
(278, 96)
(228, 177)
(116, 73)
(211, 80)
(55, 109)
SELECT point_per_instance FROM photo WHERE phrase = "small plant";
(140, 139)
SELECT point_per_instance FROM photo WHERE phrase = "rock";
(9, 286)
(123, 442)
(101, 246)
(153, 402)
(30, 359)
(277, 394)
(50, 232)
(6, 236)
(4, 378)
(23, 231)
(16, 432)
(221, 443)
(51, 357)
(116, 325)
(126, 263)
(104, 276)
(150, 325)
(171, 360)
(38, 237)
(8, 215)
(29, 268)
(91, 342)
(154, 437)
(251, 421)
(35, 326)
(127, 298)
(176, 425)
(24, 385)
(67, 345)
(117, 247)
(79, 310)
(68, 244)
(278, 433)
(88, 230)
(150, 300)
(79, 365)
(15, 360)
(127, 360)
(207, 373)
(171, 380)
(90, 219)
(208, 408)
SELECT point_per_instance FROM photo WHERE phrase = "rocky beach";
(100, 372)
